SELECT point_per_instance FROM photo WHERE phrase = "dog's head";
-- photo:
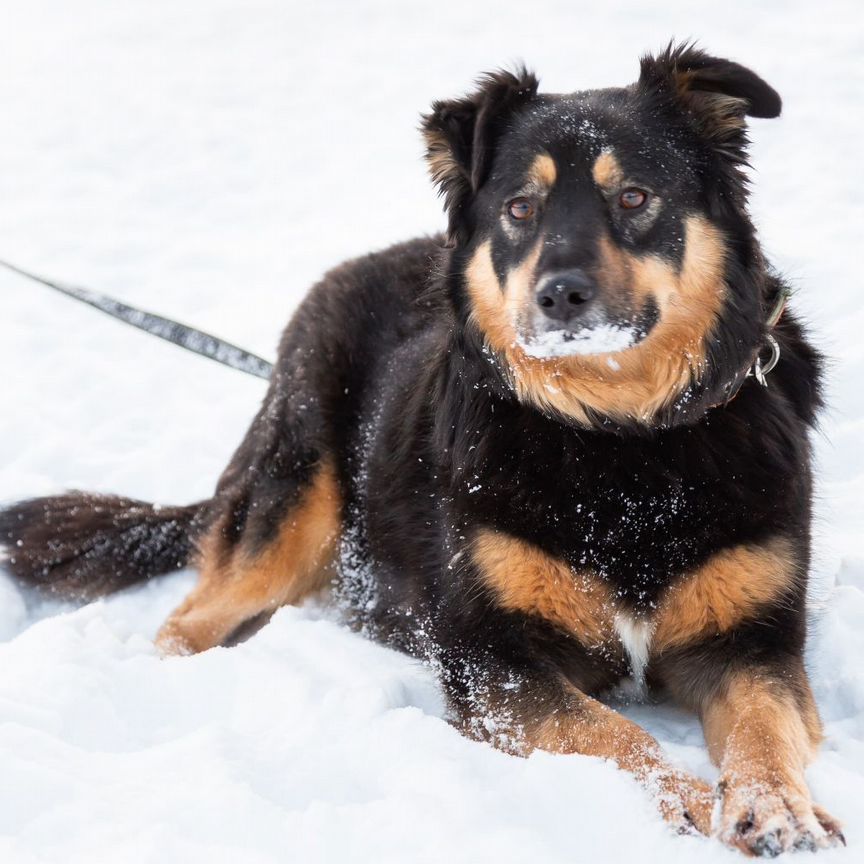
(600, 245)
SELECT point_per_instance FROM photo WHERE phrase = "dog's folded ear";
(460, 134)
(715, 94)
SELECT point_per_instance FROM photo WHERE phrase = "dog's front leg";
(761, 729)
(521, 711)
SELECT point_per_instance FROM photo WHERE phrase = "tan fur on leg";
(237, 587)
(762, 737)
(593, 729)
(558, 718)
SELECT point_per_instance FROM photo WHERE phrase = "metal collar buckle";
(760, 370)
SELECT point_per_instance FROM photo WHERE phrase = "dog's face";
(602, 248)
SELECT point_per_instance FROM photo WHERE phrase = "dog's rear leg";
(253, 574)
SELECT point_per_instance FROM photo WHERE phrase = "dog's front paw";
(172, 641)
(767, 819)
(685, 802)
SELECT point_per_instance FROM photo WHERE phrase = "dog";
(537, 451)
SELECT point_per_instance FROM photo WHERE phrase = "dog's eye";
(520, 209)
(632, 199)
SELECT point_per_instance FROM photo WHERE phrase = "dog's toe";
(831, 826)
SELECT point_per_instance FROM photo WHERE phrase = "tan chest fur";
(728, 588)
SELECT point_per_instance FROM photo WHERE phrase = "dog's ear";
(715, 94)
(460, 134)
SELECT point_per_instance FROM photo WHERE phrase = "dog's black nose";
(564, 296)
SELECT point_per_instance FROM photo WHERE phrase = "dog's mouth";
(594, 334)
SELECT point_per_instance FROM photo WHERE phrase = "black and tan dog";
(537, 456)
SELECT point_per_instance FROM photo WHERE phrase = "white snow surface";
(209, 160)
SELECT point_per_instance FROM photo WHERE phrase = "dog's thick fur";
(537, 522)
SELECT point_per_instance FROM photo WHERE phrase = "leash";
(183, 335)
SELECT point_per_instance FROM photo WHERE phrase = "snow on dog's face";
(601, 246)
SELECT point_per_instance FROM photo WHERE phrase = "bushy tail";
(83, 545)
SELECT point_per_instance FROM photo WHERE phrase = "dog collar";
(759, 369)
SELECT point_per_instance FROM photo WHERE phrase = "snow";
(209, 160)
(603, 338)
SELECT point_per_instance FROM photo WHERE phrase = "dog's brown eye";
(632, 198)
(521, 209)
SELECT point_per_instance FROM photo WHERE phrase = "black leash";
(172, 331)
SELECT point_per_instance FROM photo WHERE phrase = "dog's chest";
(622, 629)
(576, 600)
(725, 589)
(604, 622)
(637, 543)
(619, 631)
(635, 638)
(632, 517)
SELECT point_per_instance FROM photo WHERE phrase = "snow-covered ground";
(209, 160)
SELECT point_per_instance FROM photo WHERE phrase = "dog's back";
(83, 545)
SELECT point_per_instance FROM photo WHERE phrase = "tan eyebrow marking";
(607, 170)
(543, 171)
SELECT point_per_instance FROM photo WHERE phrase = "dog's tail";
(84, 545)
